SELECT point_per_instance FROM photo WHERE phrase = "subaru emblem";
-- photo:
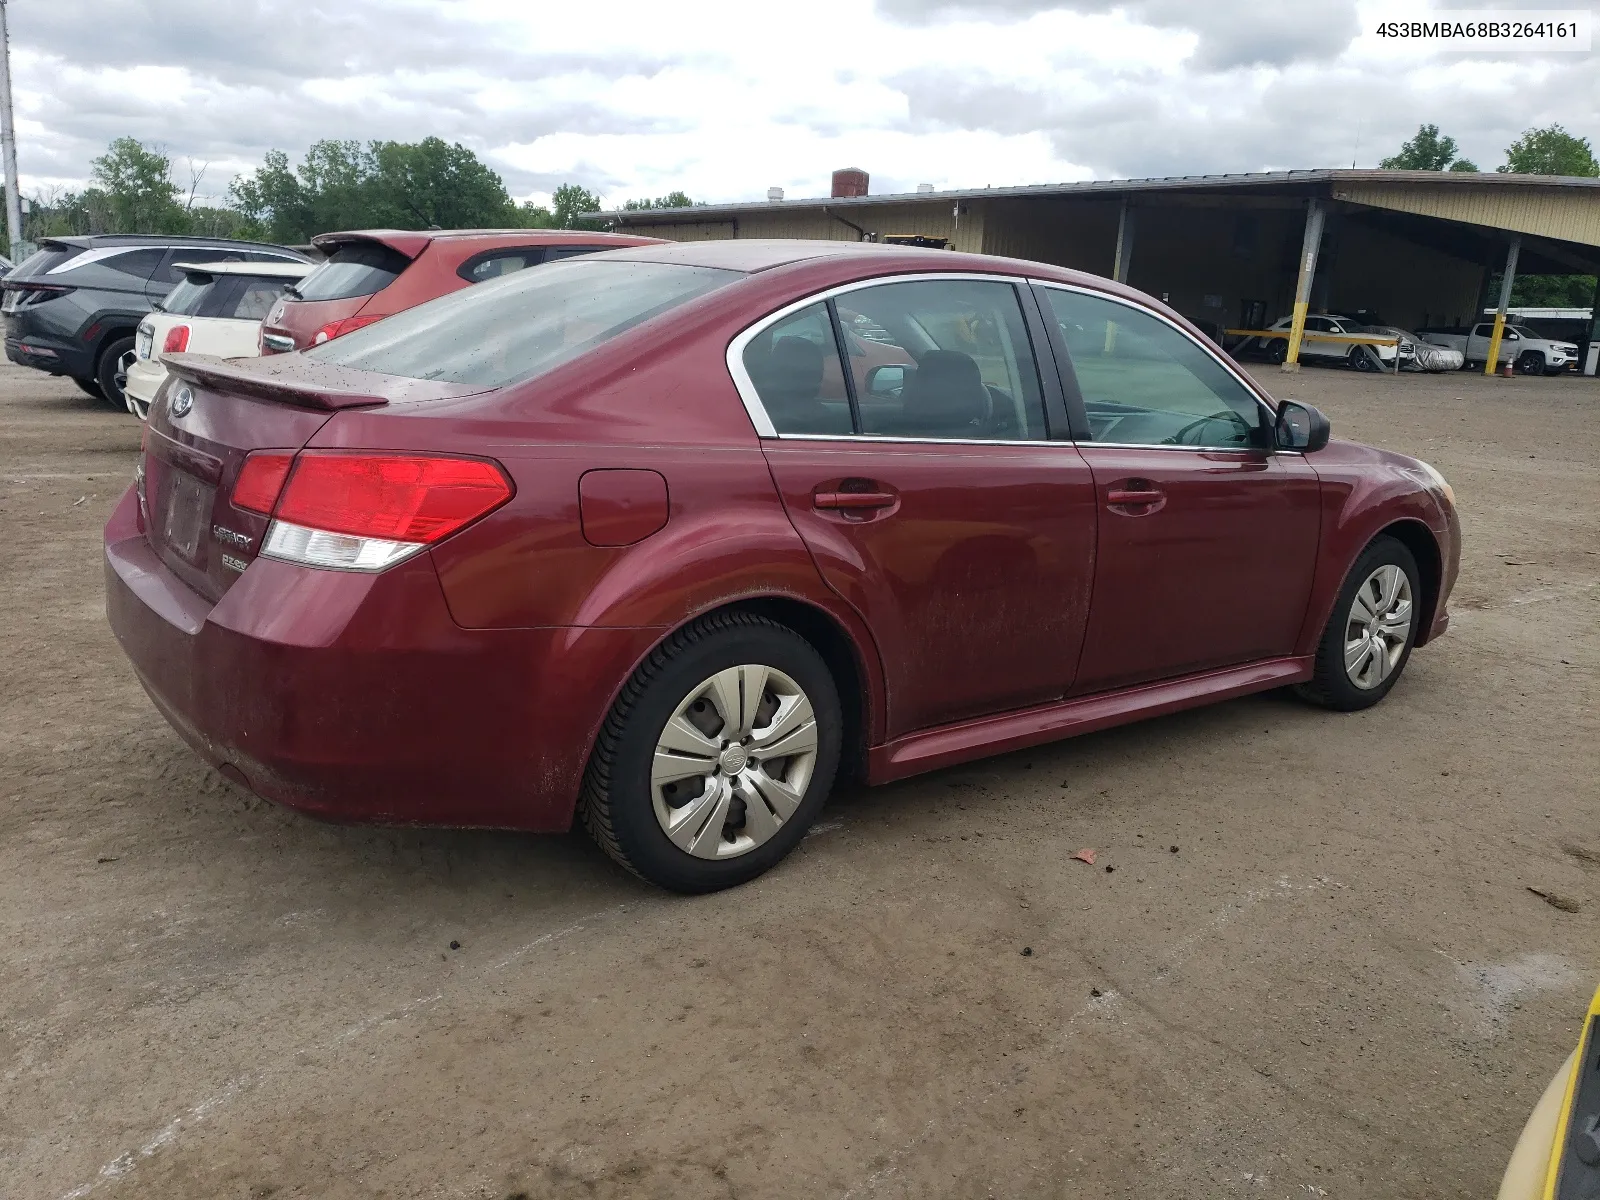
(182, 402)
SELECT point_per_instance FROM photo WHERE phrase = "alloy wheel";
(733, 761)
(1378, 627)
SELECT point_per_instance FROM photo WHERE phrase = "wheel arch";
(1416, 537)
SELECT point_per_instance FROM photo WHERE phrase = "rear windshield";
(357, 269)
(521, 325)
(45, 260)
(240, 297)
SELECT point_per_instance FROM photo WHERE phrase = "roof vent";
(924, 187)
(849, 181)
(774, 193)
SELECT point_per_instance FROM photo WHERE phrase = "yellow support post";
(1491, 361)
(1302, 286)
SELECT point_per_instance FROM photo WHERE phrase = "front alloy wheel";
(1368, 637)
(1378, 627)
(733, 761)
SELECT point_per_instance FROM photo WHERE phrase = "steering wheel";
(1227, 416)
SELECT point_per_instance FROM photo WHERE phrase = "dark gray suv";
(72, 308)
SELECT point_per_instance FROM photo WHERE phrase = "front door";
(923, 482)
(1207, 537)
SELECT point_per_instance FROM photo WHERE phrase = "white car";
(1357, 356)
(1531, 354)
(217, 309)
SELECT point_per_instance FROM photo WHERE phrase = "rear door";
(1207, 537)
(923, 479)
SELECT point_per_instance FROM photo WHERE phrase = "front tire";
(112, 369)
(1368, 639)
(1531, 363)
(716, 757)
(1360, 360)
(1278, 350)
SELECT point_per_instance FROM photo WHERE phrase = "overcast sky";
(725, 99)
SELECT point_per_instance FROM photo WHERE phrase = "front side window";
(508, 330)
(1146, 384)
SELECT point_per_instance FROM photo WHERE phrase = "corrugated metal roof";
(1244, 180)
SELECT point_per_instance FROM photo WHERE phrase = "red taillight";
(261, 479)
(335, 329)
(397, 497)
(177, 340)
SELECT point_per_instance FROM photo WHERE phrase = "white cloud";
(724, 99)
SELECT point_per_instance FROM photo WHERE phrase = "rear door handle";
(853, 500)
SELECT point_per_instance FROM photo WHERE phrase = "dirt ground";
(1316, 970)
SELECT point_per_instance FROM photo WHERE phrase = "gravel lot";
(1316, 970)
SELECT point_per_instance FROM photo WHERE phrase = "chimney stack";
(849, 181)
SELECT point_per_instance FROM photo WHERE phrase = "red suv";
(668, 537)
(371, 273)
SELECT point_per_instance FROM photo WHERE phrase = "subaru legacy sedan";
(669, 538)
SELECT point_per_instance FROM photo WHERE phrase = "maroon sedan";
(672, 536)
(370, 273)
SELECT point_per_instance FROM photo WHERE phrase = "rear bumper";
(47, 354)
(145, 378)
(357, 698)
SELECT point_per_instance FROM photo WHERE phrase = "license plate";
(142, 340)
(188, 504)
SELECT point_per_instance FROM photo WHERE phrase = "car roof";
(91, 241)
(756, 254)
(284, 270)
(412, 242)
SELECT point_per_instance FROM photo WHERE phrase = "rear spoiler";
(247, 377)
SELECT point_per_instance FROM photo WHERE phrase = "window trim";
(765, 429)
(1079, 412)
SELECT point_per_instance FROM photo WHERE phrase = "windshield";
(521, 325)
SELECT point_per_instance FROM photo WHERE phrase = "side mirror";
(1300, 427)
(886, 380)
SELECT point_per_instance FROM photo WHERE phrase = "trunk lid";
(195, 445)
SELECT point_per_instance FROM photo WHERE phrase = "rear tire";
(114, 360)
(89, 386)
(631, 801)
(1356, 670)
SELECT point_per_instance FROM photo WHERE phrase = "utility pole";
(8, 143)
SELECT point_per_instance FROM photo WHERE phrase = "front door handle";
(853, 500)
(1142, 500)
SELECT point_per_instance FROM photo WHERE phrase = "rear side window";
(512, 329)
(354, 269)
(794, 365)
(239, 297)
(44, 261)
(483, 267)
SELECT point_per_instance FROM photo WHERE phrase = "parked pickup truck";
(1531, 354)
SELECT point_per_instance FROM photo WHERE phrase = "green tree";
(670, 200)
(529, 215)
(1429, 150)
(1550, 151)
(272, 200)
(436, 183)
(569, 204)
(140, 196)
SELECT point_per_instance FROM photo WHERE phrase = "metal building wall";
(935, 218)
(1410, 285)
(1569, 214)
